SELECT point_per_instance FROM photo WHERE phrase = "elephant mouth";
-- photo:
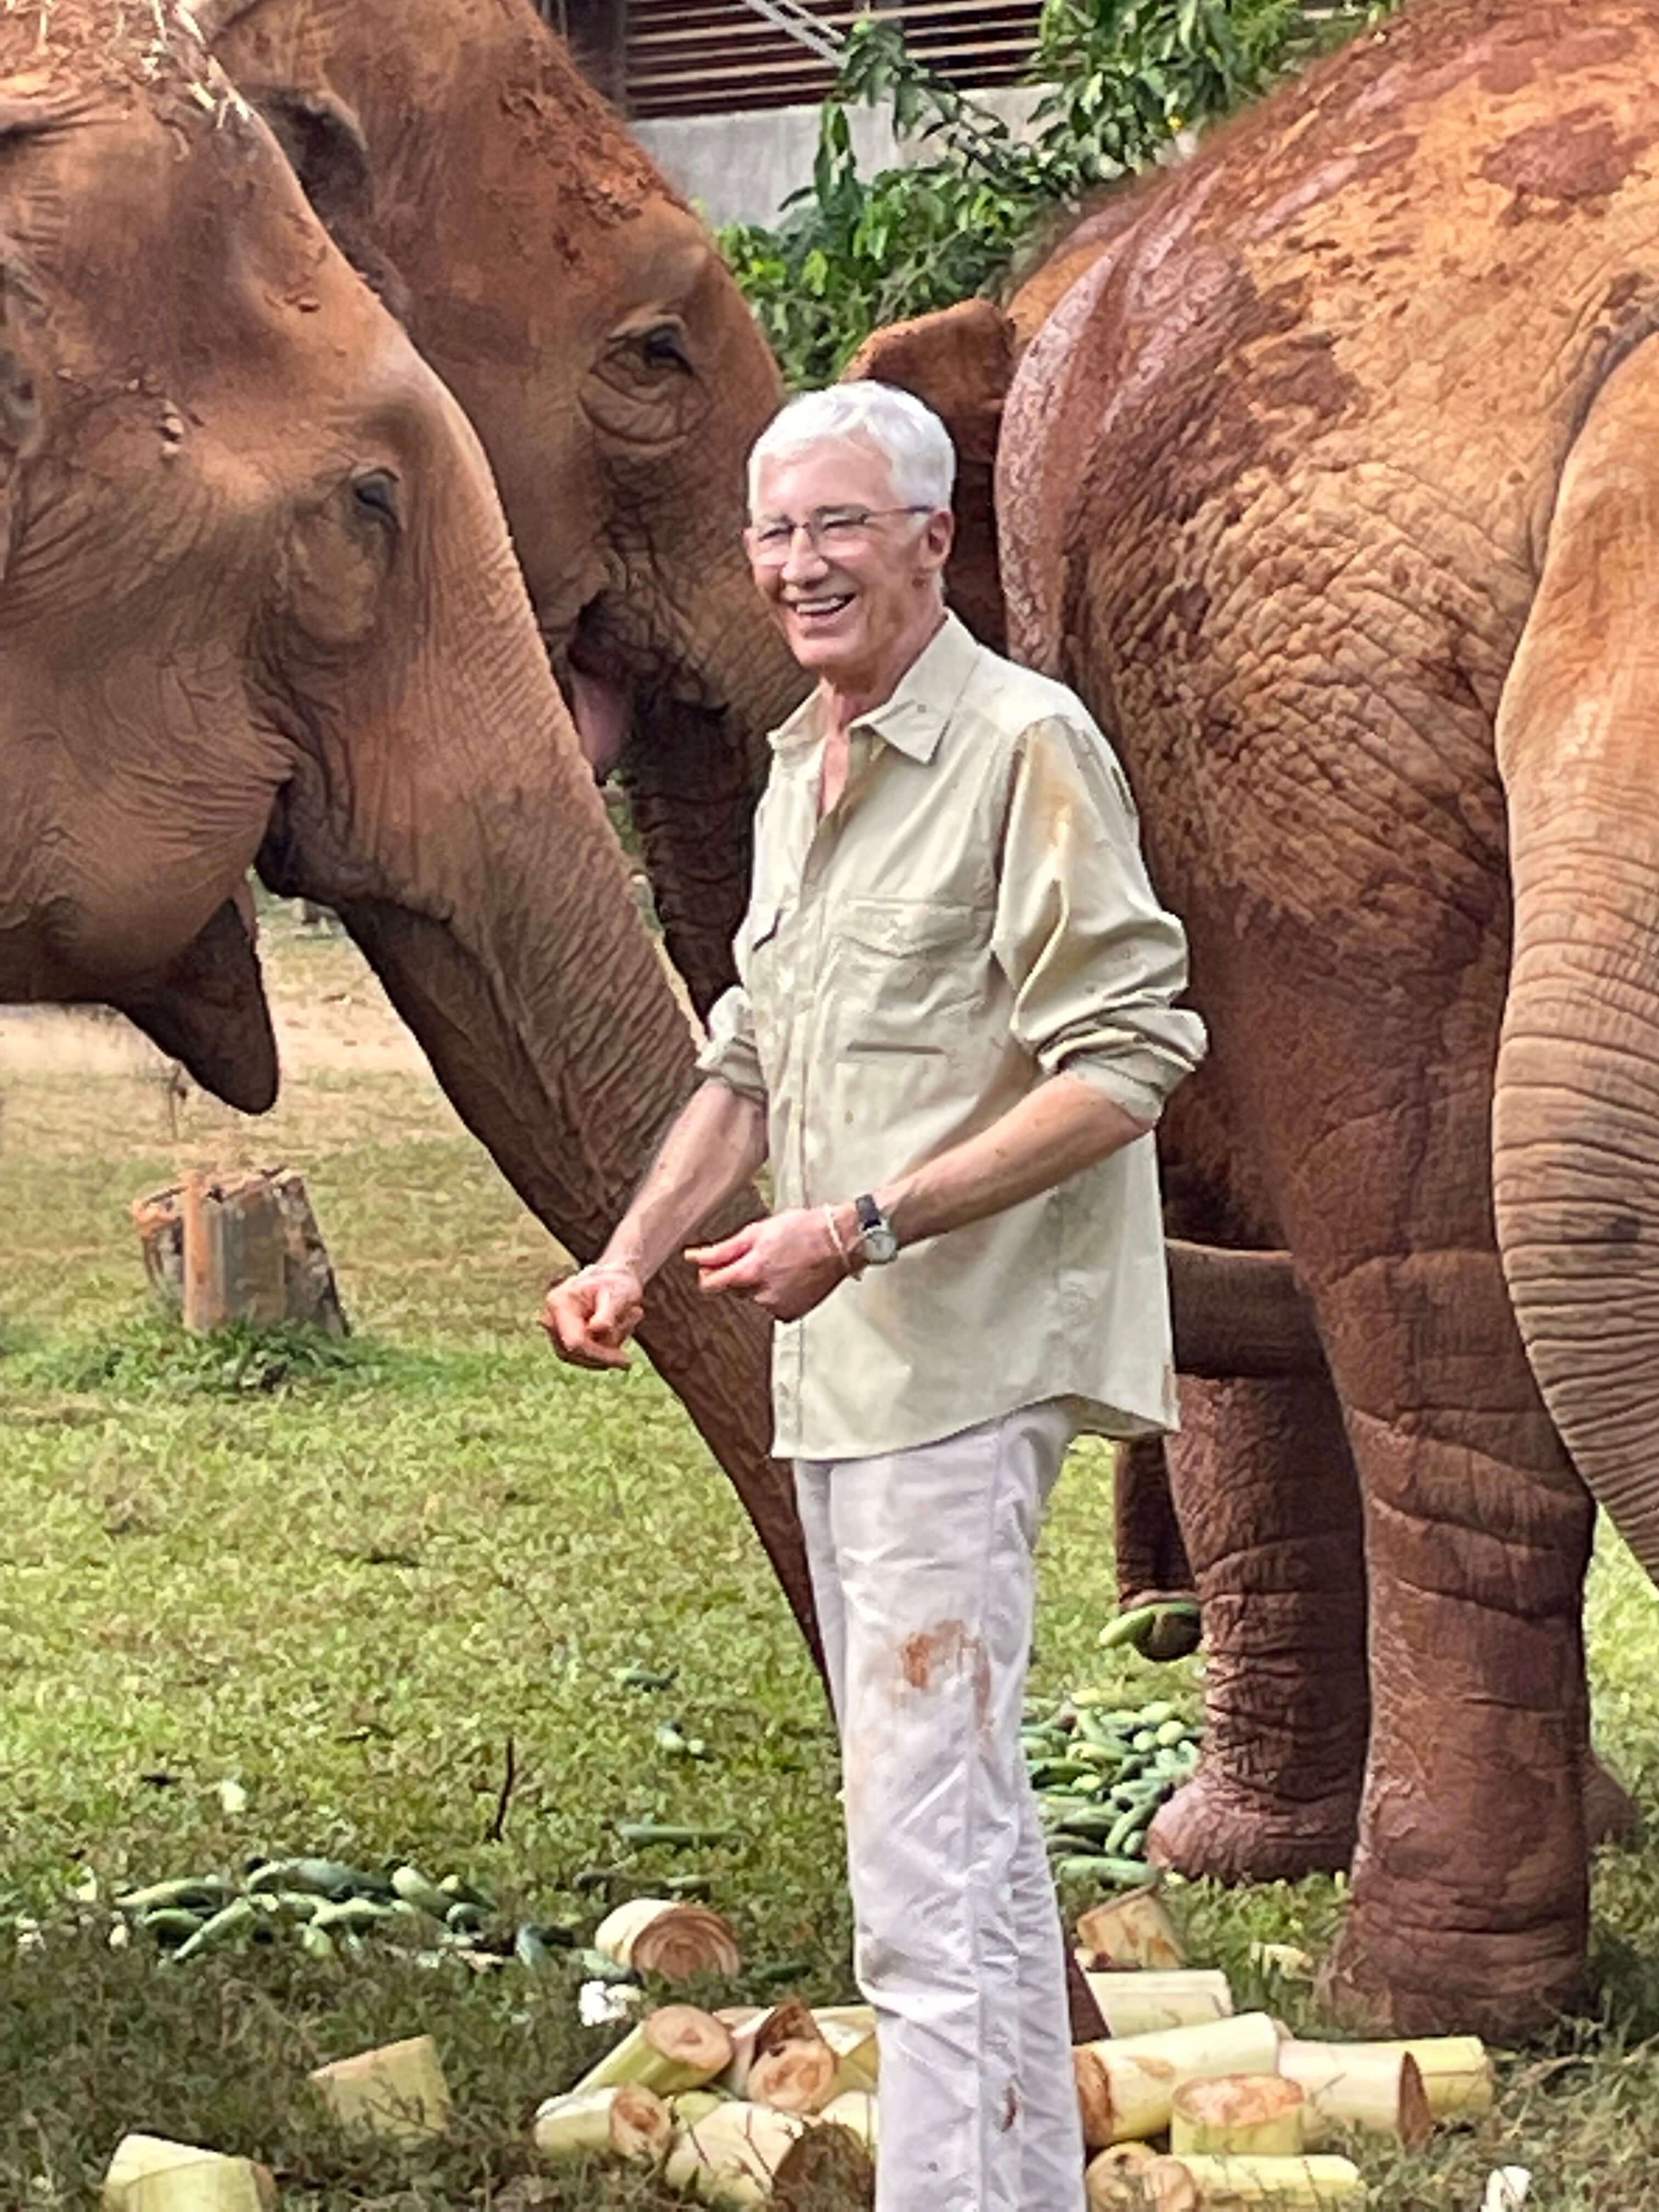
(616, 675)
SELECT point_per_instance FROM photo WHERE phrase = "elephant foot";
(1213, 1827)
(1610, 1812)
(1385, 1977)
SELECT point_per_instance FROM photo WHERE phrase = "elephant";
(1331, 486)
(608, 364)
(258, 607)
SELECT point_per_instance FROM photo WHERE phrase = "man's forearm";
(1063, 1127)
(712, 1151)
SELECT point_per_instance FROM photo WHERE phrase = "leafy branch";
(1123, 80)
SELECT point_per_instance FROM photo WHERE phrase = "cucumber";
(171, 1921)
(1127, 1830)
(1170, 1733)
(458, 1891)
(346, 1914)
(464, 1917)
(230, 1920)
(639, 1835)
(1094, 1821)
(317, 1941)
(1110, 1873)
(200, 1893)
(415, 1888)
(326, 1877)
(529, 1950)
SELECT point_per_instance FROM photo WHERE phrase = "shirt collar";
(914, 718)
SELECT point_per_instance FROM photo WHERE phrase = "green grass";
(346, 1577)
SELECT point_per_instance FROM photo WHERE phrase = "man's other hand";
(787, 1264)
(591, 1315)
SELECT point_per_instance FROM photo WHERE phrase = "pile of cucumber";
(329, 1908)
(1100, 1773)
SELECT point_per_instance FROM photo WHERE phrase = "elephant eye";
(663, 346)
(376, 492)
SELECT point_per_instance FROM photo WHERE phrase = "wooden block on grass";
(152, 2173)
(397, 2090)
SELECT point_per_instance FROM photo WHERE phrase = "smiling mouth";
(808, 609)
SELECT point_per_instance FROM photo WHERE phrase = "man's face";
(857, 610)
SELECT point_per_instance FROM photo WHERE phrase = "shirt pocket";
(907, 972)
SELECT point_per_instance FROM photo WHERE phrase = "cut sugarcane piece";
(1238, 2115)
(756, 2031)
(798, 2076)
(732, 2156)
(694, 2104)
(397, 2090)
(828, 2165)
(628, 2121)
(1141, 2004)
(217, 2183)
(855, 2109)
(1133, 1930)
(1125, 2087)
(850, 2032)
(1456, 2070)
(1377, 2086)
(669, 1937)
(677, 2047)
(1287, 2185)
(1113, 2181)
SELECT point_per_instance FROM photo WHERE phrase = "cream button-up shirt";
(972, 917)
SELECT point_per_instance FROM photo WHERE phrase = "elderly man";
(954, 1030)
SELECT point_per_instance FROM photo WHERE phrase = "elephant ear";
(960, 362)
(326, 150)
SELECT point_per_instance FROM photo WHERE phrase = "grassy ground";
(347, 1591)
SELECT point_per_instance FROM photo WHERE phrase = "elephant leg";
(1470, 1894)
(1265, 1487)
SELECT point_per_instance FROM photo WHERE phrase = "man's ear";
(326, 150)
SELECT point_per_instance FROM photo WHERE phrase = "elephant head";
(258, 605)
(609, 364)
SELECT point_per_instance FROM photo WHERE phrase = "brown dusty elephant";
(608, 364)
(1334, 487)
(258, 605)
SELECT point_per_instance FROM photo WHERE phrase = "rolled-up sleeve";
(729, 1053)
(1095, 964)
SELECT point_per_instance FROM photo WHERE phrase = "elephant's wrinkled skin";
(608, 364)
(258, 604)
(1335, 488)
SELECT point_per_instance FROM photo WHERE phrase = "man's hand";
(591, 1315)
(788, 1263)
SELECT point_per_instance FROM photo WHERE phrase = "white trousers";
(922, 1566)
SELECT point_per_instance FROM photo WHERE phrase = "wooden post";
(239, 1248)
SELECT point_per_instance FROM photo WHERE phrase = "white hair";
(909, 437)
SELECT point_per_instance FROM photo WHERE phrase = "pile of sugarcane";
(1101, 1772)
(1186, 2104)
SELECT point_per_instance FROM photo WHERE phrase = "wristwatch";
(877, 1237)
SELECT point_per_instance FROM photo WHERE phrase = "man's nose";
(802, 563)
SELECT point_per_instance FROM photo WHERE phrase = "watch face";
(880, 1245)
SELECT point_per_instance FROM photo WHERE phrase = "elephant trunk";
(477, 871)
(1575, 1116)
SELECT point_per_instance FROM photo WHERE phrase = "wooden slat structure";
(721, 56)
(662, 58)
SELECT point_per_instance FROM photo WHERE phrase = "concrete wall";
(741, 168)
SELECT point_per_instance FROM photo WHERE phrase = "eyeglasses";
(830, 531)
